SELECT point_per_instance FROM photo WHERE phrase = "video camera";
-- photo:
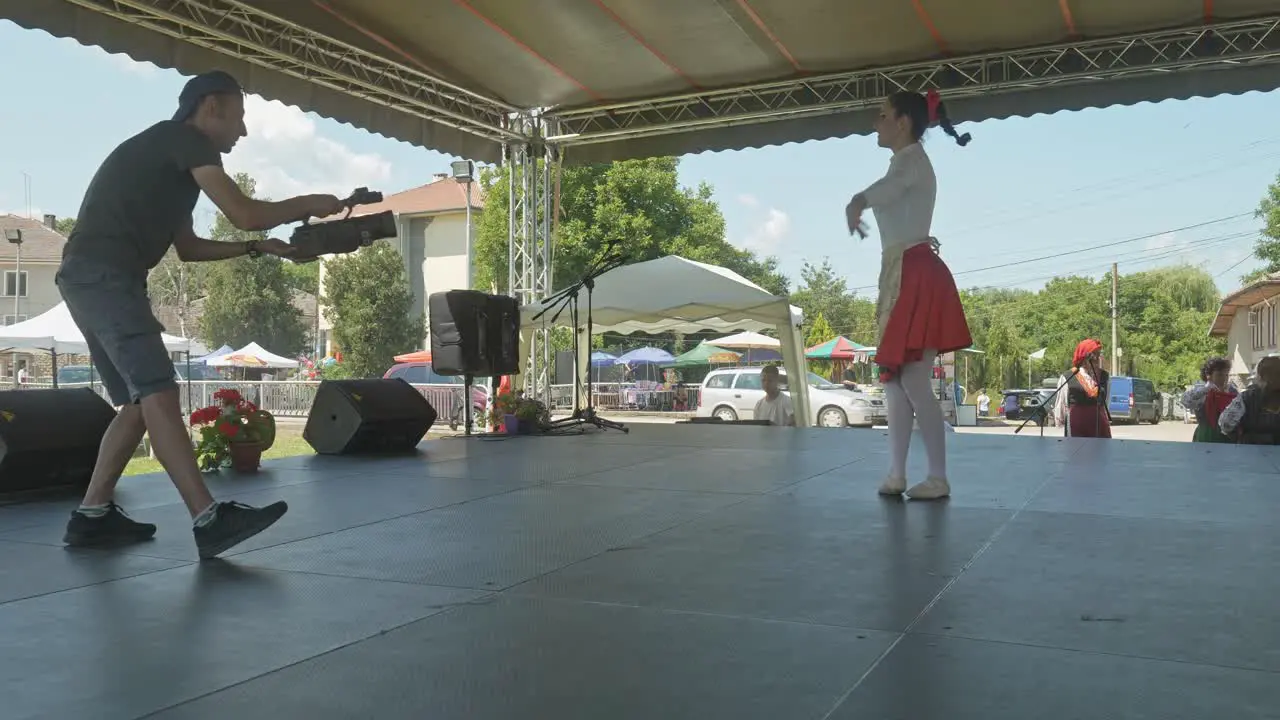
(347, 234)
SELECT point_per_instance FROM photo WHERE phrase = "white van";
(732, 394)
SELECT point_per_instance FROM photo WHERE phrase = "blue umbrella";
(644, 355)
(601, 358)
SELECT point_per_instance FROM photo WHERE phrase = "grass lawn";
(288, 443)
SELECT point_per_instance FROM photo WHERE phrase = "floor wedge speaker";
(352, 417)
(49, 438)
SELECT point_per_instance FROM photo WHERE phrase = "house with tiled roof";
(27, 270)
(436, 237)
(1249, 319)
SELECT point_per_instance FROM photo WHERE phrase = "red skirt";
(927, 315)
(1089, 421)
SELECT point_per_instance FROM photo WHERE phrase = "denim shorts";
(114, 313)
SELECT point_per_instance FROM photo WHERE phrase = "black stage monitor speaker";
(49, 438)
(367, 416)
(474, 333)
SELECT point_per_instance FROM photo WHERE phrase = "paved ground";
(1164, 432)
(675, 572)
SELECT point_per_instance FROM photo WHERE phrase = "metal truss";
(531, 203)
(247, 33)
(1229, 44)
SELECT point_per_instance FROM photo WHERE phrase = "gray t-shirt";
(141, 195)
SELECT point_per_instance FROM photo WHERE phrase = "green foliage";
(369, 302)
(819, 331)
(1267, 248)
(245, 299)
(1164, 318)
(824, 294)
(637, 204)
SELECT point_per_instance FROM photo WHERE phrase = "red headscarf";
(1086, 348)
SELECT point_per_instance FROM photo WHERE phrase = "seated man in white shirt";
(774, 406)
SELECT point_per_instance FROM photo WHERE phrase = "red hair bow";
(934, 100)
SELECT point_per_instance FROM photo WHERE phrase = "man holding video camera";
(138, 205)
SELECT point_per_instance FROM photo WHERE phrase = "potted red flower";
(234, 432)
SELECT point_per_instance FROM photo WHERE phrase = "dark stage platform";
(678, 572)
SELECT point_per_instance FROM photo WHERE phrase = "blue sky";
(1024, 189)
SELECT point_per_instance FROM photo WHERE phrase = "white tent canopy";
(747, 341)
(54, 331)
(673, 294)
(251, 355)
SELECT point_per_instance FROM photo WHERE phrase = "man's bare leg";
(114, 452)
(162, 413)
(99, 522)
(217, 526)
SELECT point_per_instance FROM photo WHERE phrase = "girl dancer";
(918, 311)
(1208, 399)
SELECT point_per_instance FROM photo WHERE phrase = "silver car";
(732, 394)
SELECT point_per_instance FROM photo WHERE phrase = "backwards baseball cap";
(202, 86)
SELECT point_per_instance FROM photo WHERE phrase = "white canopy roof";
(673, 294)
(748, 340)
(259, 358)
(55, 331)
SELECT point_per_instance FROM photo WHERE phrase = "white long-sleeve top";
(903, 199)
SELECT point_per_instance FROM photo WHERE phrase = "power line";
(1091, 248)
(1236, 265)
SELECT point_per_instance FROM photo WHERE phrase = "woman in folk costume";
(1087, 391)
(1253, 416)
(1209, 399)
(918, 311)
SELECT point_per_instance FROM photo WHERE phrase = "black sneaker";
(233, 523)
(111, 528)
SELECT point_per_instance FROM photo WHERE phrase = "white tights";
(910, 396)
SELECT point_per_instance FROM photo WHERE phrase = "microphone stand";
(569, 298)
(1048, 402)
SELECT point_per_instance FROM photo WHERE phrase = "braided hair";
(923, 110)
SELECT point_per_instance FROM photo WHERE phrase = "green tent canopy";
(705, 354)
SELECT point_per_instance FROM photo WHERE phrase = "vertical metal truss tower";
(531, 200)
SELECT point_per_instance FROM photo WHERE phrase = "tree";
(823, 293)
(370, 305)
(1164, 315)
(636, 206)
(819, 331)
(1267, 249)
(247, 299)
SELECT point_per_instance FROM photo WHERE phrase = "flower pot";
(246, 457)
(524, 427)
(510, 424)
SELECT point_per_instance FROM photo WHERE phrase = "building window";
(15, 283)
(1271, 324)
(14, 319)
(1255, 327)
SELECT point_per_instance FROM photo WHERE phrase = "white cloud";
(748, 199)
(768, 235)
(287, 156)
(1160, 241)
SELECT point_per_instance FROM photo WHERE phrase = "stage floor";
(680, 571)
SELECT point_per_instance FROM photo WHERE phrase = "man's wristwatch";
(251, 248)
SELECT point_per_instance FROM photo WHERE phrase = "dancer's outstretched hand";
(853, 214)
(277, 247)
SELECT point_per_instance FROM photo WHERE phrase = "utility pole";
(1115, 311)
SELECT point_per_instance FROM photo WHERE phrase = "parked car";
(1133, 400)
(732, 394)
(421, 373)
